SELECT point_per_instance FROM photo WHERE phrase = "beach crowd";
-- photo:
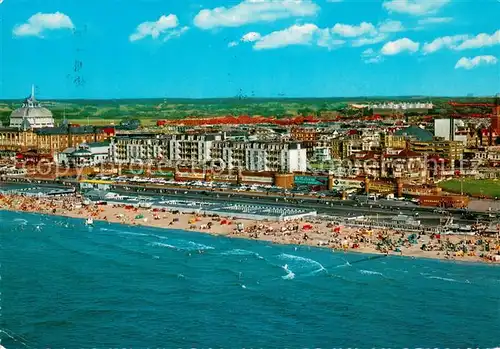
(311, 231)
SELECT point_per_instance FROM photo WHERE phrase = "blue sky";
(264, 48)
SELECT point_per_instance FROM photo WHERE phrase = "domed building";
(31, 115)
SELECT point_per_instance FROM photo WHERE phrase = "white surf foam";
(158, 236)
(197, 246)
(289, 274)
(370, 272)
(241, 252)
(160, 244)
(303, 262)
(441, 278)
(183, 245)
(131, 233)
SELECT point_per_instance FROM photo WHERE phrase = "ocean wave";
(441, 278)
(346, 264)
(303, 262)
(132, 234)
(370, 272)
(241, 252)
(157, 236)
(289, 274)
(161, 244)
(122, 232)
(197, 246)
(20, 220)
(182, 245)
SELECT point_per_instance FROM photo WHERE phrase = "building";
(488, 155)
(450, 130)
(354, 144)
(160, 148)
(401, 108)
(198, 150)
(401, 164)
(389, 141)
(31, 115)
(85, 154)
(49, 140)
(307, 136)
(449, 150)
(322, 154)
(258, 156)
(415, 133)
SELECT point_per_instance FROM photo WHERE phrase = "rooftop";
(415, 132)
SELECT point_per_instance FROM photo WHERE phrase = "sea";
(67, 285)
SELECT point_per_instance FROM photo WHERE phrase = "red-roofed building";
(405, 164)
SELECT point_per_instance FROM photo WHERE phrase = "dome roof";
(32, 112)
(31, 115)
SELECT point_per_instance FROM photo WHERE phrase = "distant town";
(388, 148)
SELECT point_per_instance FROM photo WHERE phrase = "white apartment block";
(203, 148)
(261, 156)
(158, 148)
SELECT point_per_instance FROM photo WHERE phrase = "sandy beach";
(312, 232)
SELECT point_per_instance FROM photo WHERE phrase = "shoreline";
(308, 231)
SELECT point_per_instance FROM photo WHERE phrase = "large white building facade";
(261, 155)
(31, 115)
(448, 130)
(203, 149)
(140, 148)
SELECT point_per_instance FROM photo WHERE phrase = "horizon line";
(253, 98)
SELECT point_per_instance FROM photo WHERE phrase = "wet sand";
(312, 232)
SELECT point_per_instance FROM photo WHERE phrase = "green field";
(154, 109)
(474, 187)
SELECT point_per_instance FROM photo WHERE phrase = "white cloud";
(434, 20)
(391, 26)
(369, 56)
(369, 41)
(251, 37)
(414, 7)
(471, 63)
(373, 60)
(480, 40)
(163, 26)
(394, 47)
(324, 38)
(367, 33)
(350, 31)
(309, 34)
(41, 22)
(463, 42)
(175, 33)
(450, 42)
(294, 35)
(252, 11)
(233, 44)
(368, 52)
(305, 34)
